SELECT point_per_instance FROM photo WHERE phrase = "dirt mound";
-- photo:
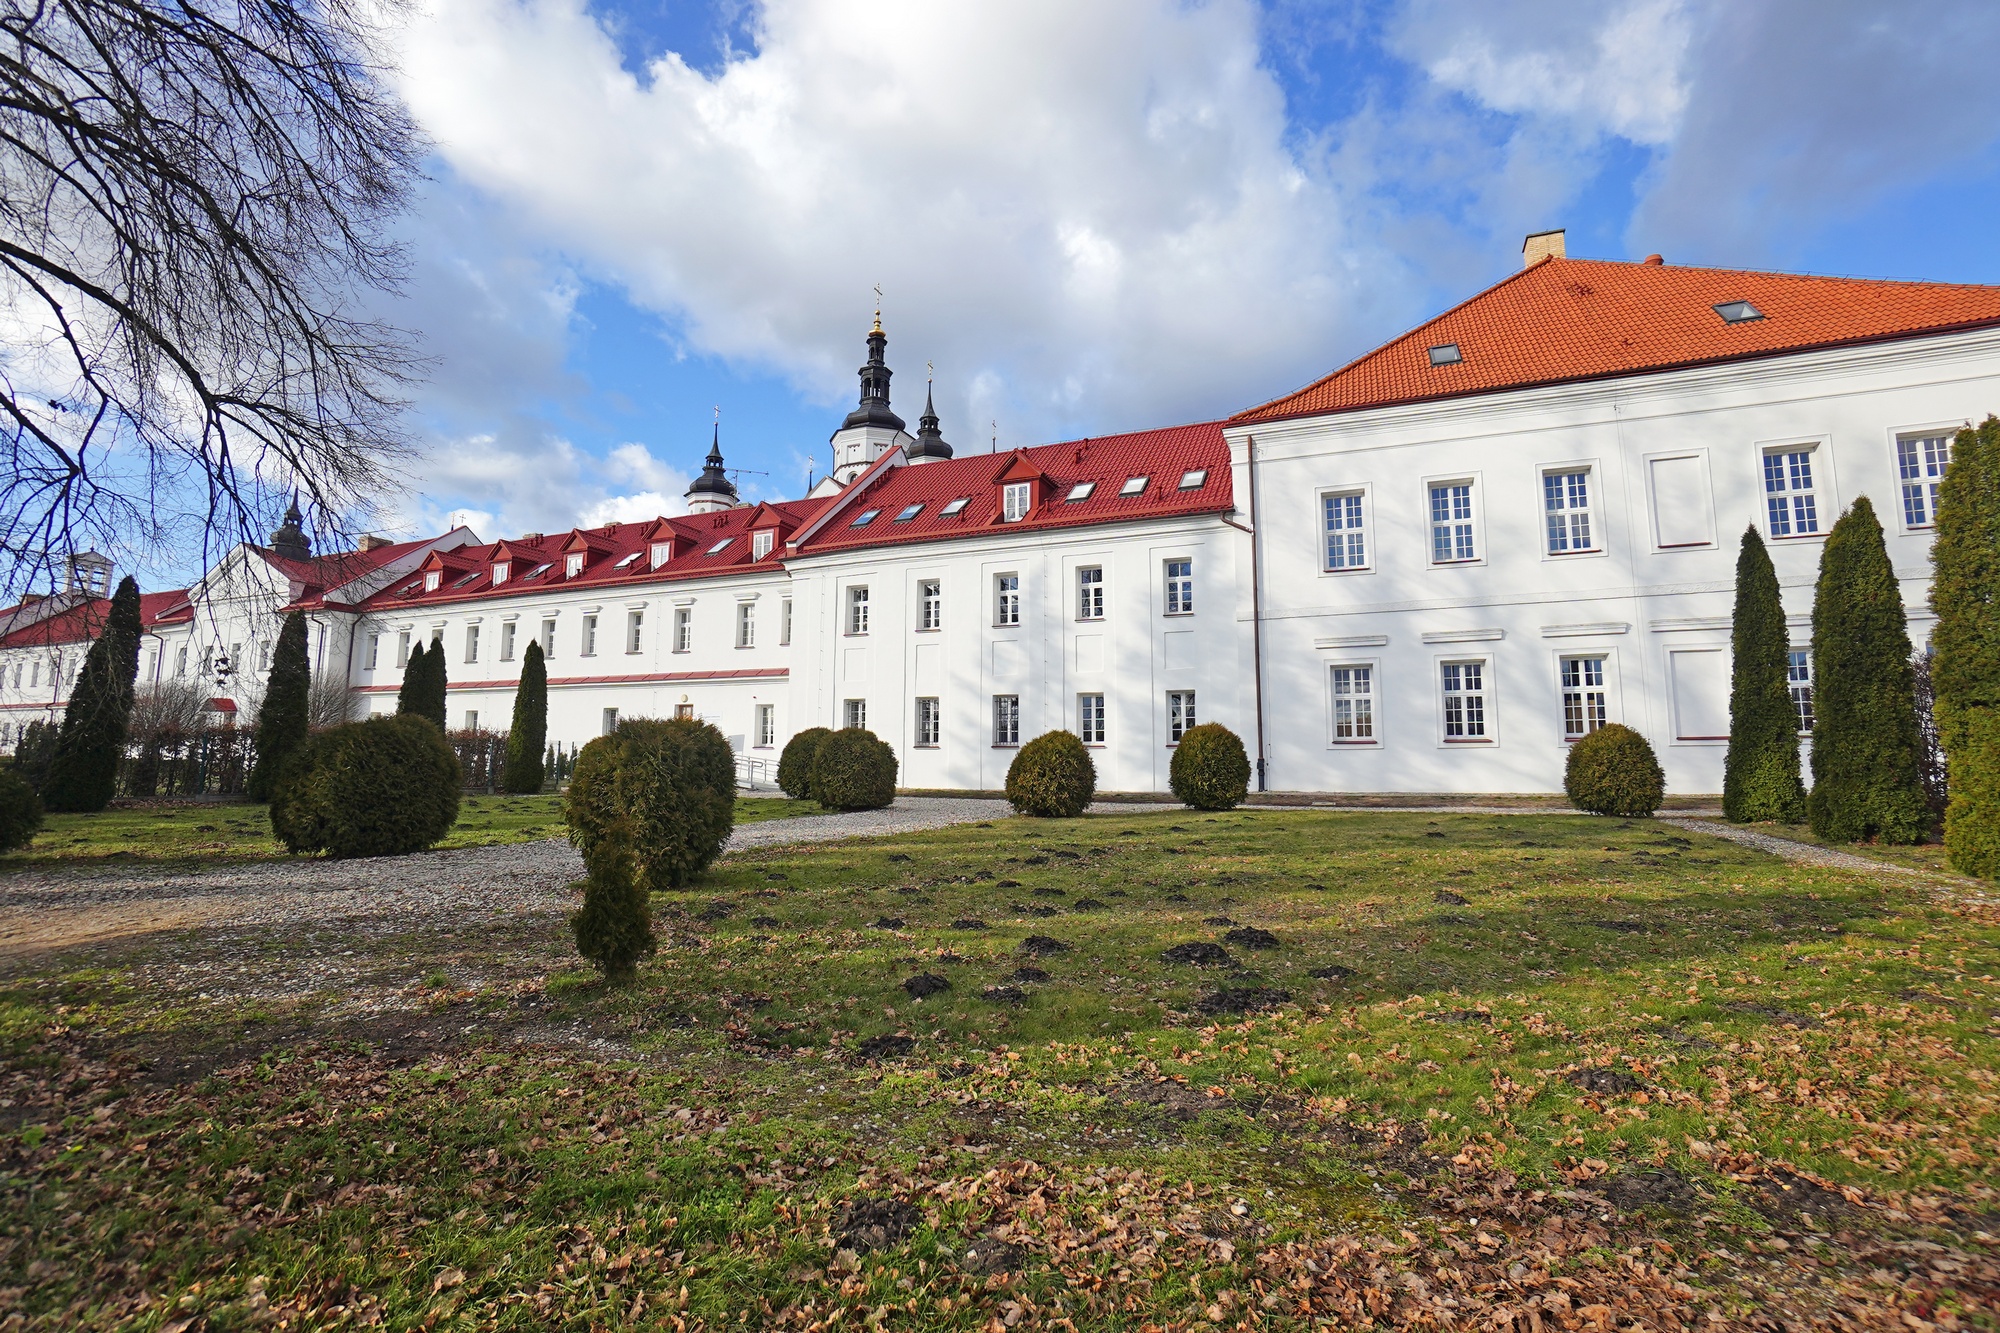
(926, 984)
(968, 923)
(1787, 1197)
(1218, 921)
(1462, 1016)
(1043, 946)
(1087, 905)
(1199, 953)
(889, 923)
(1249, 937)
(1028, 974)
(1333, 973)
(1604, 1082)
(987, 1255)
(1782, 1017)
(874, 1224)
(766, 922)
(886, 1047)
(1004, 995)
(1050, 893)
(1449, 899)
(1242, 1000)
(1665, 1190)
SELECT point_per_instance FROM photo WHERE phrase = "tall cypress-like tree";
(434, 685)
(83, 772)
(1760, 776)
(529, 731)
(1866, 781)
(1965, 594)
(410, 692)
(284, 718)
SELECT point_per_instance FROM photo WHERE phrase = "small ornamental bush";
(1965, 674)
(1211, 770)
(854, 771)
(1612, 771)
(1052, 776)
(528, 734)
(20, 813)
(83, 770)
(614, 927)
(673, 783)
(795, 765)
(1760, 773)
(285, 717)
(385, 787)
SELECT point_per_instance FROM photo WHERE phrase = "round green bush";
(20, 813)
(795, 764)
(1612, 771)
(1052, 776)
(1211, 770)
(614, 927)
(384, 787)
(674, 781)
(854, 771)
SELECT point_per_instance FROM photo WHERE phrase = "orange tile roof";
(1576, 319)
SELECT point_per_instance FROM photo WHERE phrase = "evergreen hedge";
(528, 733)
(795, 762)
(1210, 769)
(411, 691)
(33, 752)
(384, 787)
(1760, 775)
(672, 782)
(1613, 771)
(432, 700)
(1867, 781)
(614, 927)
(1052, 777)
(854, 771)
(20, 813)
(1965, 671)
(83, 771)
(285, 716)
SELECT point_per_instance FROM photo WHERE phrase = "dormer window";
(761, 543)
(500, 571)
(1080, 491)
(573, 564)
(662, 552)
(431, 580)
(1194, 479)
(955, 507)
(1014, 502)
(1133, 486)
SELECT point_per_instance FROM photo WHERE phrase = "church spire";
(290, 540)
(874, 409)
(712, 489)
(930, 446)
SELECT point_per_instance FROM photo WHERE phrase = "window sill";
(1350, 569)
(1352, 745)
(1584, 550)
(1468, 740)
(933, 629)
(1448, 564)
(1090, 620)
(921, 746)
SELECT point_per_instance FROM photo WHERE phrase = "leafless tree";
(329, 701)
(194, 203)
(167, 706)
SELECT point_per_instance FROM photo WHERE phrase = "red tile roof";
(1160, 456)
(337, 567)
(85, 621)
(1576, 319)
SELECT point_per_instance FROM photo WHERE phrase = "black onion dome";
(874, 409)
(713, 480)
(930, 443)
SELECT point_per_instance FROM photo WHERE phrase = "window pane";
(1451, 523)
(1345, 545)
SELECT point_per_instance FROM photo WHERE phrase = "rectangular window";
(1583, 696)
(472, 643)
(1451, 523)
(1788, 493)
(181, 659)
(1014, 502)
(930, 604)
(857, 610)
(1353, 704)
(1180, 587)
(746, 624)
(610, 723)
(589, 636)
(767, 726)
(1090, 718)
(1090, 594)
(500, 571)
(683, 629)
(1920, 463)
(1007, 606)
(683, 710)
(1566, 505)
(374, 650)
(1006, 719)
(856, 712)
(1346, 544)
(1798, 676)
(785, 622)
(507, 641)
(1465, 701)
(760, 544)
(402, 649)
(928, 725)
(264, 656)
(662, 552)
(1180, 714)
(472, 719)
(572, 566)
(548, 639)
(635, 629)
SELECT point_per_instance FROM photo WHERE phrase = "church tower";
(290, 540)
(930, 446)
(871, 429)
(713, 489)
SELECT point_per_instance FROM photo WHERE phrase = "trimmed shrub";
(284, 718)
(1965, 670)
(672, 782)
(410, 693)
(20, 813)
(33, 752)
(529, 731)
(854, 771)
(1760, 775)
(83, 771)
(1613, 771)
(384, 787)
(1867, 780)
(614, 927)
(795, 764)
(1211, 770)
(1052, 777)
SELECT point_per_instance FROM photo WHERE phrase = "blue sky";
(1094, 218)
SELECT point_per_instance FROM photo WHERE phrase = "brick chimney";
(1541, 245)
(369, 541)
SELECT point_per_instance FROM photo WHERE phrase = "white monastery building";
(1428, 571)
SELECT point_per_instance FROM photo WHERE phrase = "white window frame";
(548, 638)
(1358, 517)
(472, 643)
(472, 719)
(1006, 600)
(1016, 501)
(857, 609)
(766, 732)
(1473, 520)
(746, 624)
(432, 578)
(1090, 592)
(1176, 590)
(1090, 718)
(501, 569)
(761, 542)
(930, 726)
(608, 722)
(374, 652)
(573, 566)
(507, 636)
(661, 553)
(1799, 681)
(1593, 527)
(930, 605)
(1006, 721)
(1183, 714)
(1488, 719)
(784, 622)
(588, 637)
(854, 713)
(1574, 691)
(1825, 504)
(402, 650)
(1363, 713)
(1924, 482)
(635, 631)
(683, 629)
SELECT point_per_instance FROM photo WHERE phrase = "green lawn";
(1600, 1069)
(238, 831)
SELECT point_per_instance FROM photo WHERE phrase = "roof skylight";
(538, 569)
(1194, 480)
(720, 546)
(866, 517)
(910, 512)
(955, 507)
(467, 579)
(1080, 491)
(1133, 485)
(627, 560)
(1738, 312)
(1445, 354)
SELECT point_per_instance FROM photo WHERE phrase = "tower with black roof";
(713, 489)
(873, 428)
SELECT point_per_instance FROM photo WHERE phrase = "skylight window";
(1738, 312)
(866, 517)
(1445, 354)
(467, 579)
(628, 560)
(910, 512)
(955, 507)
(1080, 491)
(538, 569)
(1195, 480)
(412, 588)
(720, 546)
(1133, 486)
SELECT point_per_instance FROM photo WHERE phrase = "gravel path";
(1803, 852)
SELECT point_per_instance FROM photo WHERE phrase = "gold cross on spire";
(878, 308)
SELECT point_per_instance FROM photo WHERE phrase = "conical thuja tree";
(284, 718)
(83, 772)
(529, 731)
(1965, 673)
(1760, 776)
(1866, 781)
(409, 695)
(434, 685)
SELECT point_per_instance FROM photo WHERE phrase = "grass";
(1781, 1074)
(238, 831)
(1921, 856)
